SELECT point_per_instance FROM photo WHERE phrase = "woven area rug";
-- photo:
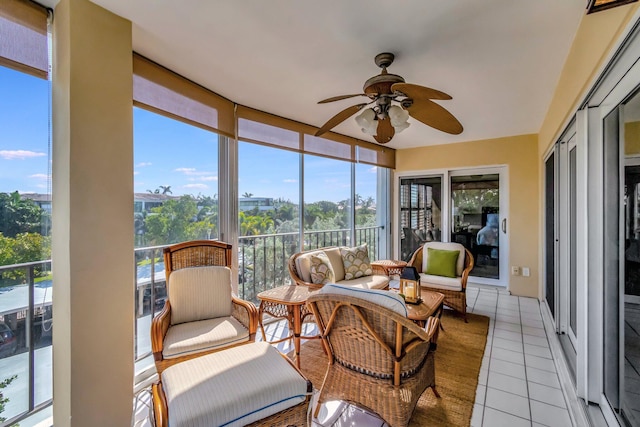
(458, 359)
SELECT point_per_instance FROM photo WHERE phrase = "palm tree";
(247, 195)
(166, 189)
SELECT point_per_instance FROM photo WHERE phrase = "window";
(175, 199)
(25, 239)
(268, 216)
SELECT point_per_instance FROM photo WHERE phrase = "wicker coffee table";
(431, 305)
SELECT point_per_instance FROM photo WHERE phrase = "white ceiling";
(500, 60)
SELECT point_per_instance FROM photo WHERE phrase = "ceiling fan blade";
(419, 92)
(432, 114)
(339, 118)
(385, 131)
(340, 97)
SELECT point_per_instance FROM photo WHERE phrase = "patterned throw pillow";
(356, 262)
(321, 270)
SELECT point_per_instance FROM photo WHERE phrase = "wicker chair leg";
(435, 391)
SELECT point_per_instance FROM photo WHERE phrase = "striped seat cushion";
(204, 335)
(390, 300)
(233, 387)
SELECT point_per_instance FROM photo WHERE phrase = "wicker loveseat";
(300, 270)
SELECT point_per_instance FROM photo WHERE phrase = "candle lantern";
(410, 285)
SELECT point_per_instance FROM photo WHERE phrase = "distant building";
(42, 200)
(144, 202)
(250, 203)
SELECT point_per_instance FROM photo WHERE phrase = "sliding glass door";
(621, 332)
(420, 213)
(478, 221)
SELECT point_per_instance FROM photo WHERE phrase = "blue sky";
(166, 152)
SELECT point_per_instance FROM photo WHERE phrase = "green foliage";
(24, 247)
(472, 201)
(3, 400)
(18, 215)
(176, 221)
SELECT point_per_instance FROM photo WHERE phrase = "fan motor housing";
(381, 84)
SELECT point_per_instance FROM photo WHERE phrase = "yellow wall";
(596, 36)
(517, 154)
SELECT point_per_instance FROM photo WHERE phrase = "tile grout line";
(524, 356)
(486, 386)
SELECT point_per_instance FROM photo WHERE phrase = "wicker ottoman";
(252, 384)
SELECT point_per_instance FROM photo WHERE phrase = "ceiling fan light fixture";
(399, 118)
(367, 121)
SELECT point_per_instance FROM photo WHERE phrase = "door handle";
(504, 225)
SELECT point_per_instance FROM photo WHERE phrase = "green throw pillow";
(441, 262)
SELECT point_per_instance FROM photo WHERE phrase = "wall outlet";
(526, 272)
(515, 270)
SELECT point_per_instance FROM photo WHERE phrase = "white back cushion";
(199, 293)
(303, 264)
(387, 299)
(448, 246)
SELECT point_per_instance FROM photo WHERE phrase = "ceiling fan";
(386, 118)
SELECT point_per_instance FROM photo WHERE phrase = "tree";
(174, 221)
(247, 195)
(166, 189)
(3, 400)
(18, 215)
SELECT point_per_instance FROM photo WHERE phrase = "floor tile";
(540, 363)
(536, 350)
(507, 368)
(546, 394)
(508, 355)
(482, 376)
(507, 384)
(507, 402)
(481, 392)
(509, 319)
(353, 416)
(476, 416)
(506, 326)
(539, 341)
(507, 344)
(508, 335)
(549, 415)
(495, 418)
(330, 412)
(543, 377)
(527, 330)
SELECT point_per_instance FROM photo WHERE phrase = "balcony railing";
(262, 265)
(26, 309)
(262, 260)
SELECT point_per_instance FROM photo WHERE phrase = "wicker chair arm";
(432, 328)
(246, 313)
(159, 328)
(293, 272)
(468, 266)
(416, 259)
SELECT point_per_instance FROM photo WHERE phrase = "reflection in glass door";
(622, 262)
(420, 213)
(475, 219)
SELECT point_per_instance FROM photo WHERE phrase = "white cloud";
(136, 173)
(143, 164)
(196, 186)
(290, 180)
(374, 169)
(204, 178)
(39, 176)
(20, 154)
(191, 171)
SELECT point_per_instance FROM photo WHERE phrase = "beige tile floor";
(518, 384)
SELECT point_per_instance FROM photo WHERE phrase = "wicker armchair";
(378, 359)
(199, 321)
(454, 289)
